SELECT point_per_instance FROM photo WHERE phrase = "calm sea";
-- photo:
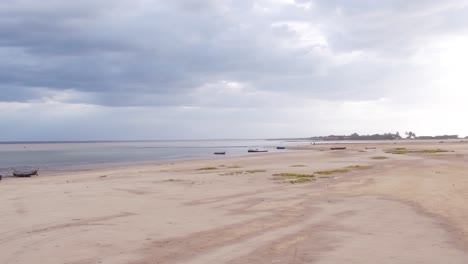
(67, 156)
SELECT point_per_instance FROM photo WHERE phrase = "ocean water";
(64, 156)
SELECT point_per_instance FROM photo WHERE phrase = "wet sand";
(407, 208)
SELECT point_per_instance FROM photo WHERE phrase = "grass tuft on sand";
(254, 171)
(329, 172)
(242, 172)
(400, 151)
(207, 168)
(295, 177)
(342, 170)
(379, 157)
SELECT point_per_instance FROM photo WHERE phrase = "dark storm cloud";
(157, 52)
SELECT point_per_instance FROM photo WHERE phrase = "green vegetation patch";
(434, 151)
(207, 168)
(329, 172)
(254, 171)
(294, 177)
(399, 151)
(342, 170)
(301, 180)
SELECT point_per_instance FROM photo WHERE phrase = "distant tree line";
(355, 136)
(410, 135)
(386, 136)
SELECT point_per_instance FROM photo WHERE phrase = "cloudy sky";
(183, 69)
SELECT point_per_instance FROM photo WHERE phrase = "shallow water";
(86, 155)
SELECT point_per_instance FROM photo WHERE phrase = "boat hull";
(25, 173)
(338, 148)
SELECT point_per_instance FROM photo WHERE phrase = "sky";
(202, 69)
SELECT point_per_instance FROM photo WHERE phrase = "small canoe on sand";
(257, 150)
(220, 153)
(25, 172)
(280, 147)
(338, 148)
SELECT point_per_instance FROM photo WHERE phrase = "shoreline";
(67, 168)
(235, 210)
(138, 164)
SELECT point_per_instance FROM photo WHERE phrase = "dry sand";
(409, 208)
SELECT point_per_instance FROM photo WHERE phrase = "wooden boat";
(371, 148)
(338, 148)
(257, 150)
(280, 147)
(220, 153)
(25, 172)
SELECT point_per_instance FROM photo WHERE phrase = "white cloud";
(304, 35)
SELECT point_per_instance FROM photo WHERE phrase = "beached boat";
(280, 147)
(338, 148)
(220, 153)
(257, 150)
(25, 172)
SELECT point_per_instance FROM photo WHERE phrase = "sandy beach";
(361, 205)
